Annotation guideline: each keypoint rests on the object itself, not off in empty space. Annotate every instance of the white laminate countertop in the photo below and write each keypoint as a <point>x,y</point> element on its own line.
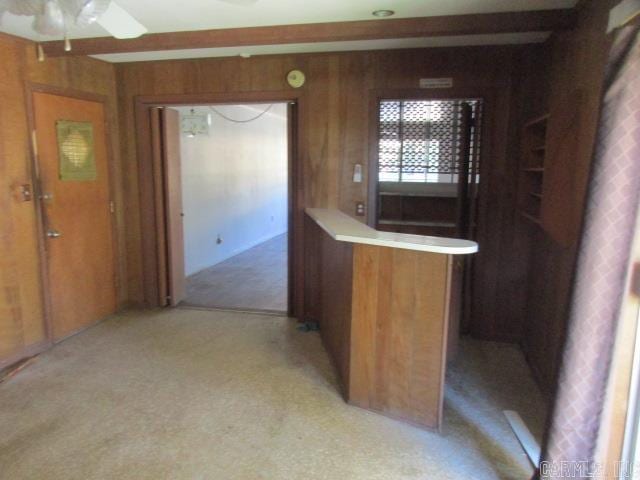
<point>343,228</point>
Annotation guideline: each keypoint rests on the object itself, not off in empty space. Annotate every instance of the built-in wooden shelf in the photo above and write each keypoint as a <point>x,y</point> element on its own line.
<point>384,221</point>
<point>419,194</point>
<point>418,212</point>
<point>534,150</point>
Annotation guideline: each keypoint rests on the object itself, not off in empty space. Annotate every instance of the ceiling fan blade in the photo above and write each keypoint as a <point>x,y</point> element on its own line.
<point>22,7</point>
<point>84,12</point>
<point>119,23</point>
<point>242,3</point>
<point>51,20</point>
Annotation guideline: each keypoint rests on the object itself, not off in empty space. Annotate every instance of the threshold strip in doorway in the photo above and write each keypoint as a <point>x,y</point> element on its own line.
<point>254,311</point>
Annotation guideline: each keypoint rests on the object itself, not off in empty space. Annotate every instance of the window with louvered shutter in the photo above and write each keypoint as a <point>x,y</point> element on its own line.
<point>419,140</point>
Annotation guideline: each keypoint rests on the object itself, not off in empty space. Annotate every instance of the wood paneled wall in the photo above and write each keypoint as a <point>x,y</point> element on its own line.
<point>21,317</point>
<point>334,128</point>
<point>334,131</point>
<point>574,85</point>
<point>500,267</point>
<point>22,327</point>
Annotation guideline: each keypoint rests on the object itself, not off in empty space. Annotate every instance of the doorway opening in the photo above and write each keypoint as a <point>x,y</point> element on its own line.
<point>227,190</point>
<point>164,280</point>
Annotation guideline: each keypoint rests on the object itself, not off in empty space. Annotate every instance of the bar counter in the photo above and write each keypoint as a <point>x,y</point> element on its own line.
<point>387,307</point>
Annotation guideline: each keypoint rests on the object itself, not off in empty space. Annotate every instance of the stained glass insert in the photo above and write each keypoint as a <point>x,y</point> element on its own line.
<point>76,150</point>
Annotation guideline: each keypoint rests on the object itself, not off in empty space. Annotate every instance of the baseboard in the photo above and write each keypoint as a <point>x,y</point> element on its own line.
<point>40,347</point>
<point>238,251</point>
<point>26,352</point>
<point>255,243</point>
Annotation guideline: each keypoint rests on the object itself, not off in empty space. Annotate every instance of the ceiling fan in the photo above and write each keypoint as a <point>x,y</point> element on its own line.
<point>57,17</point>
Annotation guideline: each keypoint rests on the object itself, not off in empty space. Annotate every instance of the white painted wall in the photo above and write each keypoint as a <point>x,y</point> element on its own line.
<point>234,183</point>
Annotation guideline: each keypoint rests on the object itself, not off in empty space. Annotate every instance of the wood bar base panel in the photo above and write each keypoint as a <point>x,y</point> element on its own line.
<point>384,315</point>
<point>399,333</point>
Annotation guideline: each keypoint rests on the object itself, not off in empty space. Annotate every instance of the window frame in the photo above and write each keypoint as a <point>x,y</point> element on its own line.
<point>428,176</point>
<point>490,97</point>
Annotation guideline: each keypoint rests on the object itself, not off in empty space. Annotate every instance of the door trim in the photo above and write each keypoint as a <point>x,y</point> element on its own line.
<point>30,89</point>
<point>152,202</point>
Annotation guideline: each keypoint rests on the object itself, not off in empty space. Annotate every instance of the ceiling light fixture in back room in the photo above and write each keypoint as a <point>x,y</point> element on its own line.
<point>383,13</point>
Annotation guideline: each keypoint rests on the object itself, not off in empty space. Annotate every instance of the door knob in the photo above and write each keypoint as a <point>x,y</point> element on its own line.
<point>53,234</point>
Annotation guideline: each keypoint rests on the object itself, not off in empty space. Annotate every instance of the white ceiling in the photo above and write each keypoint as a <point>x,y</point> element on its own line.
<point>183,15</point>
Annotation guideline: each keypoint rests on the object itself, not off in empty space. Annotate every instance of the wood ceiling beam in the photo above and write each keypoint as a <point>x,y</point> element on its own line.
<point>477,24</point>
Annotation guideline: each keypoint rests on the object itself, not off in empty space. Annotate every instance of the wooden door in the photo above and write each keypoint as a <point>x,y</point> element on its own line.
<point>77,212</point>
<point>294,230</point>
<point>170,121</point>
<point>165,135</point>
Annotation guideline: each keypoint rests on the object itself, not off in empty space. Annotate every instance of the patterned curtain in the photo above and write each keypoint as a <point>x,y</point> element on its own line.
<point>603,258</point>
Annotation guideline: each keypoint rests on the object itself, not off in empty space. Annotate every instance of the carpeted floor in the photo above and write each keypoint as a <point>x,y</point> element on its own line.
<point>255,279</point>
<point>190,394</point>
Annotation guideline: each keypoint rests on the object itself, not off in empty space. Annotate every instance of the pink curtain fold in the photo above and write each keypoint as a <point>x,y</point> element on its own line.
<point>603,258</point>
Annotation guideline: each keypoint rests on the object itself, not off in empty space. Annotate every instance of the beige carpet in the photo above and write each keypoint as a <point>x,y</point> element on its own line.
<point>189,394</point>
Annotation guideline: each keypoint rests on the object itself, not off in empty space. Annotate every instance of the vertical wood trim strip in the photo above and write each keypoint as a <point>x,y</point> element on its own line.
<point>449,304</point>
<point>364,319</point>
<point>159,202</point>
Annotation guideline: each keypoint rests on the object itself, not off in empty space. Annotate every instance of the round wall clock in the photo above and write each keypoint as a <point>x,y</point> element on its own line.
<point>296,78</point>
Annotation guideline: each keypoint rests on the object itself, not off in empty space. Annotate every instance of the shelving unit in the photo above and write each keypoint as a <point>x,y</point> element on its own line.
<point>417,213</point>
<point>534,150</point>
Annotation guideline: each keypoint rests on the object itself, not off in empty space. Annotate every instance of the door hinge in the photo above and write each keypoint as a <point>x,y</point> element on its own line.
<point>112,207</point>
<point>34,143</point>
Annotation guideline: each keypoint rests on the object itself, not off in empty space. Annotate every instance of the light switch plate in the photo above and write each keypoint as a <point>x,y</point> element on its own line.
<point>357,173</point>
